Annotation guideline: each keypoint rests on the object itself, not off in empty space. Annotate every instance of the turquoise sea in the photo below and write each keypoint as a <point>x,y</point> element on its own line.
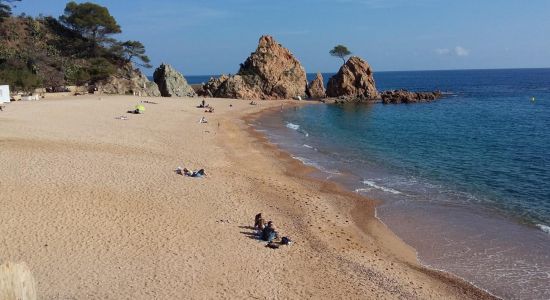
<point>465,180</point>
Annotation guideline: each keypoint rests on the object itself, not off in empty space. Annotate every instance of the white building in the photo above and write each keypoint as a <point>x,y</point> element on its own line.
<point>4,93</point>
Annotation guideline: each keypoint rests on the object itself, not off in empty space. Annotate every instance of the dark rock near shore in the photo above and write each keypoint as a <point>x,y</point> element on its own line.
<point>271,72</point>
<point>403,96</point>
<point>353,82</point>
<point>316,88</point>
<point>171,83</point>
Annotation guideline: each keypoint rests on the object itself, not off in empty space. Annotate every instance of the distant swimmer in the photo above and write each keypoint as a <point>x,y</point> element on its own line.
<point>533,99</point>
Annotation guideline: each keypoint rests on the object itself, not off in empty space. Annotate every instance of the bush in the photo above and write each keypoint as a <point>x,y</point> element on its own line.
<point>20,79</point>
<point>100,69</point>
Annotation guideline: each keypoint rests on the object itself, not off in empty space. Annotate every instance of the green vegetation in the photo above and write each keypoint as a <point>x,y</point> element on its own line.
<point>92,21</point>
<point>77,48</point>
<point>135,49</point>
<point>340,51</point>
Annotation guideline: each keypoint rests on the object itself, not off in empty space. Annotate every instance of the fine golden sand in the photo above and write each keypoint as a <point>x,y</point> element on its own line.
<point>92,205</point>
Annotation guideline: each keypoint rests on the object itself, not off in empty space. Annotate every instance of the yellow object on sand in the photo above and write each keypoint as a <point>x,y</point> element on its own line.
<point>140,107</point>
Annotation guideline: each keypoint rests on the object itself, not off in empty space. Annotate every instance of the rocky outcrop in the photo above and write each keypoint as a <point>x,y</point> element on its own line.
<point>403,96</point>
<point>271,72</point>
<point>353,82</point>
<point>128,81</point>
<point>171,83</point>
<point>316,88</point>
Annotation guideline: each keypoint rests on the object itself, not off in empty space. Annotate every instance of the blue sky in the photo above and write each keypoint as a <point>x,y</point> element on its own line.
<point>214,36</point>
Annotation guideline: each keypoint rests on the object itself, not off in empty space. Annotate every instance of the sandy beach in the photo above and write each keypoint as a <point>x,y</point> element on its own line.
<point>93,206</point>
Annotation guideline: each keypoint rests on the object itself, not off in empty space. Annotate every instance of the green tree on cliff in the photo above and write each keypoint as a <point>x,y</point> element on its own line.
<point>5,8</point>
<point>340,51</point>
<point>135,49</point>
<point>91,21</point>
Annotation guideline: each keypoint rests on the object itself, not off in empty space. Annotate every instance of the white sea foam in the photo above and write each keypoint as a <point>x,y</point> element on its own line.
<point>544,228</point>
<point>385,189</point>
<point>309,162</point>
<point>307,146</point>
<point>292,126</point>
<point>362,190</point>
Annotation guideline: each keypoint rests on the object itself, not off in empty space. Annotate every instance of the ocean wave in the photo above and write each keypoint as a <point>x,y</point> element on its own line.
<point>382,188</point>
<point>292,126</point>
<point>362,190</point>
<point>311,163</point>
<point>308,146</point>
<point>544,228</point>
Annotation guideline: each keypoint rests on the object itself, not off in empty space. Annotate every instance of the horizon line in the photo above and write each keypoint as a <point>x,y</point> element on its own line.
<point>389,71</point>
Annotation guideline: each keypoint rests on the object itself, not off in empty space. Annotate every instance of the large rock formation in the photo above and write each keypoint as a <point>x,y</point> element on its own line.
<point>271,72</point>
<point>128,81</point>
<point>353,82</point>
<point>171,83</point>
<point>403,96</point>
<point>316,88</point>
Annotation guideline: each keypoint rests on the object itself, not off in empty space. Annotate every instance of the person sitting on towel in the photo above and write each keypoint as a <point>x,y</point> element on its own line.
<point>269,233</point>
<point>259,222</point>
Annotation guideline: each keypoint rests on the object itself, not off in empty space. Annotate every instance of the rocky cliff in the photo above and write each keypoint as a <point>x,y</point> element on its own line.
<point>353,82</point>
<point>316,88</point>
<point>171,83</point>
<point>271,72</point>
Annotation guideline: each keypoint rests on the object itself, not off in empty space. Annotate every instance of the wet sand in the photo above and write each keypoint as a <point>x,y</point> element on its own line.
<point>94,208</point>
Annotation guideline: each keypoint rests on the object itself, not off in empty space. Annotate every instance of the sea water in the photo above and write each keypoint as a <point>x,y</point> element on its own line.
<point>464,180</point>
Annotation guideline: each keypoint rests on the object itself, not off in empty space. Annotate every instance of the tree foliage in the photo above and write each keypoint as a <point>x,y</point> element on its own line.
<point>340,51</point>
<point>135,50</point>
<point>91,21</point>
<point>75,49</point>
<point>5,8</point>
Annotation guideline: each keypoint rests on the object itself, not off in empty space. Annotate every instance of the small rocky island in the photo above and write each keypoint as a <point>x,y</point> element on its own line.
<point>272,72</point>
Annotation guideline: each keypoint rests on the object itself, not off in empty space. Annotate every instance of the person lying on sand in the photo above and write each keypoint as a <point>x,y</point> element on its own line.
<point>198,173</point>
<point>259,222</point>
<point>210,110</point>
<point>252,103</point>
<point>2,107</point>
<point>203,120</point>
<point>269,233</point>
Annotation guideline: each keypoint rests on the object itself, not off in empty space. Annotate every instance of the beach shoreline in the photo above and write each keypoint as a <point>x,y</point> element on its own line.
<point>364,212</point>
<point>92,205</point>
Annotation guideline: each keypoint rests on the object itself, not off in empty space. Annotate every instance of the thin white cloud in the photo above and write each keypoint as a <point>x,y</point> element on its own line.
<point>461,51</point>
<point>442,51</point>
<point>457,51</point>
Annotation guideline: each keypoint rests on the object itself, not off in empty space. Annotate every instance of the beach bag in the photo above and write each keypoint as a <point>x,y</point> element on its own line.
<point>286,240</point>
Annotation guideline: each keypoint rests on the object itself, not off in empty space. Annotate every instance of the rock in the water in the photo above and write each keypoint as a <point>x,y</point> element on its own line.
<point>316,88</point>
<point>171,83</point>
<point>128,81</point>
<point>403,96</point>
<point>353,82</point>
<point>271,72</point>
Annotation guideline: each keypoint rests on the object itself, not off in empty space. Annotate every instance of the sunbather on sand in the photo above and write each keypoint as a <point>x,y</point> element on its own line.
<point>259,222</point>
<point>198,173</point>
<point>203,120</point>
<point>269,233</point>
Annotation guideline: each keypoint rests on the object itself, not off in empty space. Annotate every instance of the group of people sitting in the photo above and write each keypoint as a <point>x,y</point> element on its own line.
<point>268,232</point>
